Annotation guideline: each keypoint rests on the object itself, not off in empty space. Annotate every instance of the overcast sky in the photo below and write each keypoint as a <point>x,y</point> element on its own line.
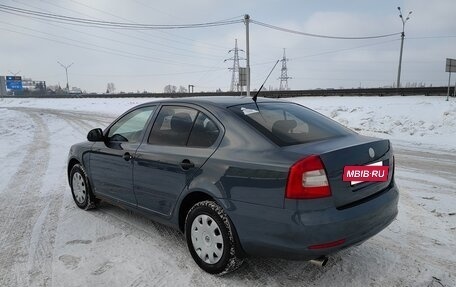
<point>149,60</point>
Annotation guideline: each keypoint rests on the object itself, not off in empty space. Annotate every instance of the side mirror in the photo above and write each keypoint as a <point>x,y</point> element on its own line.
<point>95,135</point>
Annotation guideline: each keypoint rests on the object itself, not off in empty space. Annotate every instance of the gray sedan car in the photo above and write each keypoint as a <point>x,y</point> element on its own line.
<point>240,177</point>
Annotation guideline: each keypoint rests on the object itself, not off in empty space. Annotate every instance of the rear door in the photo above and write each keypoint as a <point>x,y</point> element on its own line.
<point>181,140</point>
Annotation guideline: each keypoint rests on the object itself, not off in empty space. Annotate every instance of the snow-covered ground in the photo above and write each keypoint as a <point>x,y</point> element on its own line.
<point>45,240</point>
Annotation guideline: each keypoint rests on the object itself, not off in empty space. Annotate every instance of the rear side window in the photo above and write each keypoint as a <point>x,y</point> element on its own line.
<point>182,126</point>
<point>204,133</point>
<point>288,123</point>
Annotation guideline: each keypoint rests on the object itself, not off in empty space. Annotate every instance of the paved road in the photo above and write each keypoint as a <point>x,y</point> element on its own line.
<point>46,241</point>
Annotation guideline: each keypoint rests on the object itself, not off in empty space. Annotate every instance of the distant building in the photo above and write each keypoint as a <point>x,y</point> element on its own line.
<point>2,86</point>
<point>29,85</point>
<point>18,86</point>
<point>75,90</point>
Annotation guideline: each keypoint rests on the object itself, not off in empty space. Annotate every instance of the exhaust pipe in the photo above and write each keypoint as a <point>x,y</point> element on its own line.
<point>320,261</point>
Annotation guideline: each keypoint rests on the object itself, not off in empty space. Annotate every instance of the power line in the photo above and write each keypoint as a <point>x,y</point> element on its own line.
<point>119,41</point>
<point>205,75</point>
<point>432,37</point>
<point>147,75</point>
<point>142,32</point>
<point>110,24</point>
<point>318,35</point>
<point>345,49</point>
<point>298,58</point>
<point>99,49</point>
<point>191,53</point>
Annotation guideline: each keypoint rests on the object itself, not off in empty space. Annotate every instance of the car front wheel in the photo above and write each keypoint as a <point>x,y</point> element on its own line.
<point>210,238</point>
<point>80,188</point>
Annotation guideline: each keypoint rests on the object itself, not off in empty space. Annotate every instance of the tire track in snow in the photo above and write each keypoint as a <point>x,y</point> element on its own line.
<point>31,214</point>
<point>20,205</point>
<point>45,230</point>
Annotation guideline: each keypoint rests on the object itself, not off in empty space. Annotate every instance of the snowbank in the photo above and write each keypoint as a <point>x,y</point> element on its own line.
<point>418,120</point>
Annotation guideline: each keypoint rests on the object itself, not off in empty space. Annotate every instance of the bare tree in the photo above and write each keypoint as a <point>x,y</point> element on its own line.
<point>170,89</point>
<point>110,88</point>
<point>182,89</point>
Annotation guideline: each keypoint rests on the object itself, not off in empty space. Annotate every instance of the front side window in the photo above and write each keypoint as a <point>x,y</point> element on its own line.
<point>289,124</point>
<point>130,127</point>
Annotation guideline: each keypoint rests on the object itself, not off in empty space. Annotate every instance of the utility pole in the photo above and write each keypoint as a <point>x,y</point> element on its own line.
<point>247,51</point>
<point>284,73</point>
<point>454,90</point>
<point>235,85</point>
<point>66,72</point>
<point>402,44</point>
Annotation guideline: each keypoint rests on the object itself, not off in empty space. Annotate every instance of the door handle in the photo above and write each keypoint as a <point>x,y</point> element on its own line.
<point>187,164</point>
<point>127,156</point>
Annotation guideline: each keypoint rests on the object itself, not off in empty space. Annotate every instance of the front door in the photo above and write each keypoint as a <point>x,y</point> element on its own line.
<point>111,162</point>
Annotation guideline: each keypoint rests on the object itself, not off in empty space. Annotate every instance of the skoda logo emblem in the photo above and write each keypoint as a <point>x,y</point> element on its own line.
<point>371,152</point>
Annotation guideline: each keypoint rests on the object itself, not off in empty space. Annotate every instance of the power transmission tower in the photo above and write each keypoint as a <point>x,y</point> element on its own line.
<point>284,73</point>
<point>235,69</point>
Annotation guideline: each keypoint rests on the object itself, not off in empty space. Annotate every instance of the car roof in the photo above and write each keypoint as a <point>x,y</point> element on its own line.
<point>219,101</point>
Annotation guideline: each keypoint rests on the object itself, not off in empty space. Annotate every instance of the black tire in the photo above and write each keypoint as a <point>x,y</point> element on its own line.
<point>80,188</point>
<point>230,258</point>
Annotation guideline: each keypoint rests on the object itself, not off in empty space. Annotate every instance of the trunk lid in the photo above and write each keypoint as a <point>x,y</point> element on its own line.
<point>336,153</point>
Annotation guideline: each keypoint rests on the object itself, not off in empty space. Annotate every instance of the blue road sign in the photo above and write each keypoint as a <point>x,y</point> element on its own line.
<point>14,85</point>
<point>14,82</point>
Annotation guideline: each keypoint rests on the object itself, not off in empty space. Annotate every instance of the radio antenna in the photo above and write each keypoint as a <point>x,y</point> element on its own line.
<point>254,98</point>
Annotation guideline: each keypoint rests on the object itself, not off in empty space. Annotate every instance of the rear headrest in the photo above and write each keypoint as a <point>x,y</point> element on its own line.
<point>210,126</point>
<point>181,122</point>
<point>283,126</point>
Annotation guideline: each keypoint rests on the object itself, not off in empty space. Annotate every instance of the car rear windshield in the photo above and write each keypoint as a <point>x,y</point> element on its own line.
<point>288,123</point>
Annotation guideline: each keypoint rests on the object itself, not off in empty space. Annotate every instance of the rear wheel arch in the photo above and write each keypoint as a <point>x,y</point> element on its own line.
<point>211,239</point>
<point>188,202</point>
<point>193,198</point>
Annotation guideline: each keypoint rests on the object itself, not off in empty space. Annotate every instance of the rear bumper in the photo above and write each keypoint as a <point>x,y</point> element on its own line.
<point>285,233</point>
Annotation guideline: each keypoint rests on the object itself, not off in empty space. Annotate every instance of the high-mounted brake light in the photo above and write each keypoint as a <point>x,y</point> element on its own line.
<point>307,179</point>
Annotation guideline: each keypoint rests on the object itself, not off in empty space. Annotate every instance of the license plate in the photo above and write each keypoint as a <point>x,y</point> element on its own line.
<point>361,173</point>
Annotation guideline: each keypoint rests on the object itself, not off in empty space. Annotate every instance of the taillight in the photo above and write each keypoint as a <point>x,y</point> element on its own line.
<point>307,179</point>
